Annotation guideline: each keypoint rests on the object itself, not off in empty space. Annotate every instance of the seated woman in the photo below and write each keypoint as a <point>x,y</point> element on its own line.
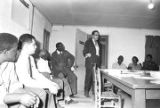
<point>134,65</point>
<point>43,67</point>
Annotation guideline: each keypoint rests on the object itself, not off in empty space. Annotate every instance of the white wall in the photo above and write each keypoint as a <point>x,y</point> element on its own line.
<point>7,24</point>
<point>39,24</point>
<point>122,41</point>
<point>13,25</point>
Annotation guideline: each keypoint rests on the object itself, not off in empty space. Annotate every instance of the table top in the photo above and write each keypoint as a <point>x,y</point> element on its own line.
<point>136,79</point>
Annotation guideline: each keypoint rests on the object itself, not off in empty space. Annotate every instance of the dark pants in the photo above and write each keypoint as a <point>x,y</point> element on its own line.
<point>72,80</point>
<point>89,80</point>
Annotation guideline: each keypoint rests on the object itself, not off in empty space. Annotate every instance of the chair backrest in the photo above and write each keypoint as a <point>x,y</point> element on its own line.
<point>97,76</point>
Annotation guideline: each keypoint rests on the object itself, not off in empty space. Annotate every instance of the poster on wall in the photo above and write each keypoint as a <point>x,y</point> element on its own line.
<point>21,12</point>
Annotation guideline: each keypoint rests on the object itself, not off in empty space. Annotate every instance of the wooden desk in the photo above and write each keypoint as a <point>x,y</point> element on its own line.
<point>139,88</point>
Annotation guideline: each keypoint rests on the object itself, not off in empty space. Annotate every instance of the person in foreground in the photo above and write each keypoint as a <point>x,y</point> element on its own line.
<point>92,54</point>
<point>27,72</point>
<point>12,93</point>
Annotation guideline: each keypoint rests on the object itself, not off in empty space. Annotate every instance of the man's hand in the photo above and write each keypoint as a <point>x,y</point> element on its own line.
<point>28,99</point>
<point>88,55</point>
<point>53,90</point>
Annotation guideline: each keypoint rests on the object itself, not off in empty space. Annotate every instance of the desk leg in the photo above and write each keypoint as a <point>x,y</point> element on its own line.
<point>138,99</point>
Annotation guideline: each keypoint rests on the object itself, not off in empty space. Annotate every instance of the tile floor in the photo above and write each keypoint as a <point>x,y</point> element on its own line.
<point>83,102</point>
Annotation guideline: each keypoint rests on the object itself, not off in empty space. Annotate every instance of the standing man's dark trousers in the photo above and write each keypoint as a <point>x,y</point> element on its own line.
<point>72,80</point>
<point>89,81</point>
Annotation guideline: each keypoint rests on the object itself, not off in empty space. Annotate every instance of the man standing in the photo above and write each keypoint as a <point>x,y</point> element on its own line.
<point>62,64</point>
<point>91,53</point>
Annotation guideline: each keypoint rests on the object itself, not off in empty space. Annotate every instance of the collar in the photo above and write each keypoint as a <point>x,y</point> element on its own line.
<point>59,52</point>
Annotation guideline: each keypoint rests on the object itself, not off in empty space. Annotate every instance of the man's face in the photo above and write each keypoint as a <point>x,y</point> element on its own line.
<point>31,47</point>
<point>148,59</point>
<point>60,47</point>
<point>120,60</point>
<point>95,36</point>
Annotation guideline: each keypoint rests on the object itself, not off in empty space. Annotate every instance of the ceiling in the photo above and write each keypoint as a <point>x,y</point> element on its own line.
<point>110,13</point>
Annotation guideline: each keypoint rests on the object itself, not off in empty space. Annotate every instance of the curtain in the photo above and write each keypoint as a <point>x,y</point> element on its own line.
<point>152,47</point>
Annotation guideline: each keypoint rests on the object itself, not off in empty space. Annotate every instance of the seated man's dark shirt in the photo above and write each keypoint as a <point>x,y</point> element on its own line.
<point>150,66</point>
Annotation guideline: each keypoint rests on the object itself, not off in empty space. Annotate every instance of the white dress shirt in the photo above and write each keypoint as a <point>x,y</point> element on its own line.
<point>117,66</point>
<point>37,79</point>
<point>9,81</point>
<point>42,65</point>
<point>96,47</point>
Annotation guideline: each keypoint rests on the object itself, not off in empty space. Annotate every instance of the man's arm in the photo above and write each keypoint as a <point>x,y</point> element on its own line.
<point>86,52</point>
<point>70,59</point>
<point>22,98</point>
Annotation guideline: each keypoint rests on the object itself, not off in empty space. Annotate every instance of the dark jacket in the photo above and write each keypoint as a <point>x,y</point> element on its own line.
<point>90,48</point>
<point>61,62</point>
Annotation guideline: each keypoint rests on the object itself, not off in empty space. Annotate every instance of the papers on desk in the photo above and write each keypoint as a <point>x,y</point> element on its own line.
<point>144,77</point>
<point>134,74</point>
<point>155,82</point>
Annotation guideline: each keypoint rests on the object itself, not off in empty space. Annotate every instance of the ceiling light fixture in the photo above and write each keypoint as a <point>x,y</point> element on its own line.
<point>150,5</point>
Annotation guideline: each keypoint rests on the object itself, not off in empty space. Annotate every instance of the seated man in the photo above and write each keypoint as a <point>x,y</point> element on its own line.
<point>62,62</point>
<point>149,64</point>
<point>11,91</point>
<point>27,71</point>
<point>119,64</point>
<point>43,67</point>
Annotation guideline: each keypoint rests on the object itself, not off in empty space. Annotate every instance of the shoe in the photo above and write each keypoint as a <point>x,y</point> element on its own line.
<point>72,96</point>
<point>71,101</point>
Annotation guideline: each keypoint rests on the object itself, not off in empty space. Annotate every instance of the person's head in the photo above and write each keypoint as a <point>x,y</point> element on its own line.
<point>60,46</point>
<point>148,58</point>
<point>135,59</point>
<point>8,47</point>
<point>44,54</point>
<point>27,42</point>
<point>120,59</point>
<point>95,35</point>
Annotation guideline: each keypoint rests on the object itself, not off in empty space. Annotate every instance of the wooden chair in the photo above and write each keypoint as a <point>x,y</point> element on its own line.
<point>105,99</point>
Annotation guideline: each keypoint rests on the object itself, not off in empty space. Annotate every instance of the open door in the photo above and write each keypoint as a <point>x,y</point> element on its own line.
<point>81,37</point>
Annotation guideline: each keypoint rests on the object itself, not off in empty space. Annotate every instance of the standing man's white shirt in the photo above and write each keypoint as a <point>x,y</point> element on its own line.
<point>96,47</point>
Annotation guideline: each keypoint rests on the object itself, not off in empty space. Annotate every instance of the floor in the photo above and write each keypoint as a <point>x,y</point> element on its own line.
<point>83,102</point>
